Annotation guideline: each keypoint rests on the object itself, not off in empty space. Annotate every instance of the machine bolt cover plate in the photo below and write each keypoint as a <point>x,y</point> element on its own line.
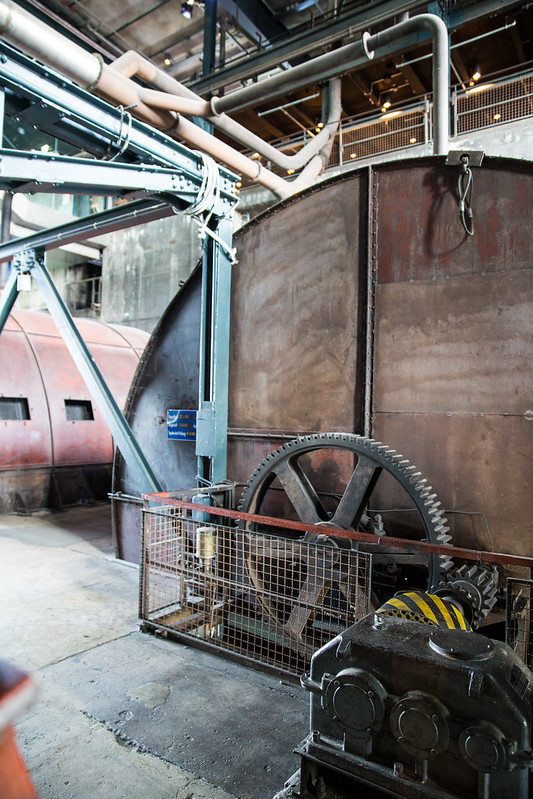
<point>461,645</point>
<point>355,699</point>
<point>418,723</point>
<point>482,747</point>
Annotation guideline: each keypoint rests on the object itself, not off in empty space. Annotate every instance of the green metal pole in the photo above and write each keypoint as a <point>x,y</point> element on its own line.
<point>118,427</point>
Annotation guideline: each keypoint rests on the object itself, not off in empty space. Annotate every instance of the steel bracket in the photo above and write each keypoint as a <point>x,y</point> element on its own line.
<point>460,157</point>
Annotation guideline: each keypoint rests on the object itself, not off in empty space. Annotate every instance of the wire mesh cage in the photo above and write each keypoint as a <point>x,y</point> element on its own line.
<point>519,618</point>
<point>265,597</point>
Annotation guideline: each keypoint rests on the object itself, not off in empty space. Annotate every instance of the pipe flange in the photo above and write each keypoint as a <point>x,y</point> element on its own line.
<point>365,40</point>
<point>213,108</point>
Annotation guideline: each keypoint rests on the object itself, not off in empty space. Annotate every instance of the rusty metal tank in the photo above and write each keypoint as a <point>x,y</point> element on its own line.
<point>55,448</point>
<point>363,306</point>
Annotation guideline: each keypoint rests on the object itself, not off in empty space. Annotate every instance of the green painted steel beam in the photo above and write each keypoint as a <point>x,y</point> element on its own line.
<point>32,262</point>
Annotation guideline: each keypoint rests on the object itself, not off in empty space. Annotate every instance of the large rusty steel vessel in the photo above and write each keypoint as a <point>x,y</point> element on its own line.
<point>364,306</point>
<point>55,448</point>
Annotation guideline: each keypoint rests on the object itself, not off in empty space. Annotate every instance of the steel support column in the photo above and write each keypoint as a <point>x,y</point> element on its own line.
<point>166,169</point>
<point>212,423</point>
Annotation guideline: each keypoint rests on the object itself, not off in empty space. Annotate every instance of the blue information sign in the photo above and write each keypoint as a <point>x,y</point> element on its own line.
<point>181,425</point>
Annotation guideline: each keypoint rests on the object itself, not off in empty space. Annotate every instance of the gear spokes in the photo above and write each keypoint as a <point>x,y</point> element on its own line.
<point>337,489</point>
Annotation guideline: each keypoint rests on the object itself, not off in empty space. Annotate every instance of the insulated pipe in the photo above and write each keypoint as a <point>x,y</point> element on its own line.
<point>38,39</point>
<point>195,135</point>
<point>133,64</point>
<point>89,71</point>
<point>338,61</point>
<point>435,26</point>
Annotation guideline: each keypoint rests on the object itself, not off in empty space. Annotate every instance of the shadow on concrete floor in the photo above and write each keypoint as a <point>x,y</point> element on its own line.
<point>121,714</point>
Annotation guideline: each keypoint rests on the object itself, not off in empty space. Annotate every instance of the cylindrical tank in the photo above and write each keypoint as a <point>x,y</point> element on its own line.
<point>362,305</point>
<point>55,448</point>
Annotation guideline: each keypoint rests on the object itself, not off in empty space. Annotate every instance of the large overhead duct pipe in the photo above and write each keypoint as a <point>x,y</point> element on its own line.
<point>89,71</point>
<point>319,69</point>
<point>133,64</point>
<point>343,59</point>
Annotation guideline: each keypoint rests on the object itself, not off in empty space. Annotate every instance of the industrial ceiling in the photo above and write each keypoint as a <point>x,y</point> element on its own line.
<point>215,46</point>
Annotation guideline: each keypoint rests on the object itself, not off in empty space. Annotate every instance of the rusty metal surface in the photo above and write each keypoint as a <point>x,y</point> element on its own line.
<point>23,443</point>
<point>454,344</point>
<point>76,454</point>
<point>295,317</point>
<point>462,345</point>
<point>167,378</point>
<point>450,386</point>
<point>86,441</point>
<point>420,236</point>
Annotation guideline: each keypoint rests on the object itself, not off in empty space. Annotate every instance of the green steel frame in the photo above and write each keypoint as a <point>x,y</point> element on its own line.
<point>159,176</point>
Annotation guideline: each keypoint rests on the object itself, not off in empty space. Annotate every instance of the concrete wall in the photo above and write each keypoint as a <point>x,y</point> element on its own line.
<point>143,268</point>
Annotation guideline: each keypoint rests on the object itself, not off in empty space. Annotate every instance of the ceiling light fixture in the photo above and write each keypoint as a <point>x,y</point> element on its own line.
<point>481,88</point>
<point>186,9</point>
<point>167,61</point>
<point>386,104</point>
<point>413,140</point>
<point>497,116</point>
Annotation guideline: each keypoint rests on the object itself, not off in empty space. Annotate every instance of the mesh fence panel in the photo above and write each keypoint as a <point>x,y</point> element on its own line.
<point>519,621</point>
<point>392,132</point>
<point>493,105</point>
<point>265,597</point>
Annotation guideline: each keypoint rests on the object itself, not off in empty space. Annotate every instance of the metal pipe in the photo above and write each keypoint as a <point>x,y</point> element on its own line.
<point>132,64</point>
<point>338,61</point>
<point>237,161</point>
<point>91,73</point>
<point>323,67</point>
<point>435,26</point>
<point>38,39</point>
<point>316,165</point>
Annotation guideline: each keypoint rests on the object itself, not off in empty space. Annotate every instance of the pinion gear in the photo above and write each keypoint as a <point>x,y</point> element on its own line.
<point>477,584</point>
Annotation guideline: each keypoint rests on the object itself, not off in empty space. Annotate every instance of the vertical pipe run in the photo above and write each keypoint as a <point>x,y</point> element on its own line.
<point>210,37</point>
<point>435,26</point>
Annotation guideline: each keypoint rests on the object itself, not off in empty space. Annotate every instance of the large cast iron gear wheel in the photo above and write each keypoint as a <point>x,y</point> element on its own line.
<point>372,459</point>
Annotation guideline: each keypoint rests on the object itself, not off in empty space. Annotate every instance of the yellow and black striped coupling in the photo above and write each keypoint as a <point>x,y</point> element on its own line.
<point>425,609</point>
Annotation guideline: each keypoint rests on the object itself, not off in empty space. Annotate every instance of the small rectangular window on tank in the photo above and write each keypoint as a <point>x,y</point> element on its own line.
<point>79,410</point>
<point>14,409</point>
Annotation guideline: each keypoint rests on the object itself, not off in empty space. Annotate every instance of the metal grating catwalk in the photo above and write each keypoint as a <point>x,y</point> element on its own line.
<point>265,597</point>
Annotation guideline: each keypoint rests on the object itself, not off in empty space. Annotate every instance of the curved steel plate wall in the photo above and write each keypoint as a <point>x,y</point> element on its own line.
<point>363,298</point>
<point>49,458</point>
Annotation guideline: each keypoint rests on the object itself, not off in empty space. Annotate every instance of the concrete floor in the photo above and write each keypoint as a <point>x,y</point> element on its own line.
<point>121,714</point>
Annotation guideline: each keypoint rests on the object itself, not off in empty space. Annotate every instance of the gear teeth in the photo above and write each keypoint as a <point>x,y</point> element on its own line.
<point>388,459</point>
<point>479,583</point>
<point>445,564</point>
